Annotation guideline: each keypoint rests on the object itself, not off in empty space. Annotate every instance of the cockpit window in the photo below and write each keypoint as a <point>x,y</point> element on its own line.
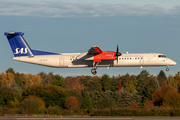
<point>162,56</point>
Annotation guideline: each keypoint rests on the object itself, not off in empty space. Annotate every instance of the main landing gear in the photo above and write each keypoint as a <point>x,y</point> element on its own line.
<point>93,70</point>
<point>167,69</point>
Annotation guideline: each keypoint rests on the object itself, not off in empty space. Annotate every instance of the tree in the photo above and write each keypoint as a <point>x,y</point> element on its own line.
<point>125,99</point>
<point>32,104</point>
<point>149,89</point>
<point>9,97</point>
<point>74,84</point>
<point>11,70</point>
<point>158,96</point>
<point>7,78</point>
<point>172,99</point>
<point>22,81</point>
<point>71,103</point>
<point>58,81</point>
<point>14,86</point>
<point>161,78</point>
<point>105,82</point>
<point>86,103</point>
<point>52,95</point>
<point>46,78</point>
<point>114,84</point>
<point>172,82</point>
<point>119,86</point>
<point>143,80</point>
<point>91,83</point>
<point>130,84</point>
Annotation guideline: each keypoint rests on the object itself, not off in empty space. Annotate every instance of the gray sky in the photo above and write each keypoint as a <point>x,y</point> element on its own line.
<point>61,26</point>
<point>83,8</point>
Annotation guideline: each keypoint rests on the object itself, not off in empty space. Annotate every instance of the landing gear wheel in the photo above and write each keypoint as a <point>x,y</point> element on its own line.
<point>167,69</point>
<point>93,71</point>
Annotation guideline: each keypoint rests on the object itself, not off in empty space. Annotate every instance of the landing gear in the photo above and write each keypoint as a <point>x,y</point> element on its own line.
<point>167,69</point>
<point>93,70</point>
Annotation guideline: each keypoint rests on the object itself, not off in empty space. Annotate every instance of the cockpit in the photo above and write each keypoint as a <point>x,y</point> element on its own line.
<point>161,56</point>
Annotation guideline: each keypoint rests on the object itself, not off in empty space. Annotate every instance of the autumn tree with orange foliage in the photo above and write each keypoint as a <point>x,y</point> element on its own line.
<point>7,78</point>
<point>74,84</point>
<point>158,96</point>
<point>119,86</point>
<point>71,103</point>
<point>33,79</point>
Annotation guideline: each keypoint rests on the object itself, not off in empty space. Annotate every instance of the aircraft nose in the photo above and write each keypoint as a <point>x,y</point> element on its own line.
<point>173,62</point>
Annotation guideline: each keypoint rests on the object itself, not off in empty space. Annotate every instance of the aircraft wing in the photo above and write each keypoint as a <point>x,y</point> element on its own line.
<point>94,50</point>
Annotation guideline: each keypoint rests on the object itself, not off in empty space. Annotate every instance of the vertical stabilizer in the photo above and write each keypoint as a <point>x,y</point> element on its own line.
<point>18,44</point>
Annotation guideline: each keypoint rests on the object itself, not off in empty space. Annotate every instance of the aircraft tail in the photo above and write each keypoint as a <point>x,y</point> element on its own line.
<point>20,47</point>
<point>18,44</point>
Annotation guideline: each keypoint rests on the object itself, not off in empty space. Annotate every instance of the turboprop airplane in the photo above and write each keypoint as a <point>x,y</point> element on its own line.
<point>94,58</point>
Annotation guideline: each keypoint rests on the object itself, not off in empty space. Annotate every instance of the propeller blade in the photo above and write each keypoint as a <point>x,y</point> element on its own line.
<point>117,52</point>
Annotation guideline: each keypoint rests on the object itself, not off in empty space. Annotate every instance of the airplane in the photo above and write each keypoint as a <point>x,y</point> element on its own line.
<point>94,58</point>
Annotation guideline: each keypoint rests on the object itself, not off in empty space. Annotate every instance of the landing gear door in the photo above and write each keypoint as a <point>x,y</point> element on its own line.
<point>61,61</point>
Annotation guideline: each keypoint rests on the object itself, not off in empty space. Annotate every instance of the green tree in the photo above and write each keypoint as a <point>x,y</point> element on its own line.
<point>87,102</point>
<point>59,81</point>
<point>161,78</point>
<point>9,97</point>
<point>105,82</point>
<point>52,95</point>
<point>149,89</point>
<point>114,83</point>
<point>11,70</point>
<point>125,99</point>
<point>91,83</point>
<point>142,81</point>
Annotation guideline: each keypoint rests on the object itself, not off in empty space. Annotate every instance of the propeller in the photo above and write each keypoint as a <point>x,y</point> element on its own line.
<point>118,53</point>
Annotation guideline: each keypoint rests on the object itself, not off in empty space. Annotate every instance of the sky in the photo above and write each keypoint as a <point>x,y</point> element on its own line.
<point>73,26</point>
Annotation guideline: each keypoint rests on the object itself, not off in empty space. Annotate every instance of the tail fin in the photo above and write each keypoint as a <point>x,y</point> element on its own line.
<point>18,44</point>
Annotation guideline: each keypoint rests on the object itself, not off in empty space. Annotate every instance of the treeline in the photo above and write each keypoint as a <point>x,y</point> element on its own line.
<point>122,95</point>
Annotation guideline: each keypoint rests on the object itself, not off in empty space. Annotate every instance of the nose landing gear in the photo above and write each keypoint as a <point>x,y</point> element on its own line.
<point>167,69</point>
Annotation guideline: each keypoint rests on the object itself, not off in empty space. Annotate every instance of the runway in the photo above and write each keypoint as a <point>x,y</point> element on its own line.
<point>90,118</point>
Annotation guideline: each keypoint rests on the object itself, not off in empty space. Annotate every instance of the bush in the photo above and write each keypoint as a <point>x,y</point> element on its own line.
<point>54,110</point>
<point>156,111</point>
<point>30,106</point>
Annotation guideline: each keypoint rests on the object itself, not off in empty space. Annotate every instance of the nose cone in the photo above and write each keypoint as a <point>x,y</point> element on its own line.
<point>173,62</point>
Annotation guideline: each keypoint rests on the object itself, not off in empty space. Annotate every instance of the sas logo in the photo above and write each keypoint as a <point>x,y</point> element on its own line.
<point>21,51</point>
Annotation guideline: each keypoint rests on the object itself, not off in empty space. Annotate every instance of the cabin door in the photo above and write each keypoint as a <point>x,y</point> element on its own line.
<point>61,61</point>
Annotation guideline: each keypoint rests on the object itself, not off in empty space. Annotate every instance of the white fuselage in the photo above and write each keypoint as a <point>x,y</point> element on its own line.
<point>70,60</point>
